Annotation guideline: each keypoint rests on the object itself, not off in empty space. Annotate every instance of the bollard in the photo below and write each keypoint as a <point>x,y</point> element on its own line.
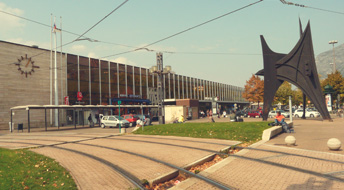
<point>290,140</point>
<point>123,130</point>
<point>334,144</point>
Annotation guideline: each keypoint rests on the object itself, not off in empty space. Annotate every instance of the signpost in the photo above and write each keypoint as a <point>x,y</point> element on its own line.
<point>119,114</point>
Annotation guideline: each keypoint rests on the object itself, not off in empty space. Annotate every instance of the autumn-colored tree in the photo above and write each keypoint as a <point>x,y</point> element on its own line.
<point>283,93</point>
<point>254,90</point>
<point>336,80</point>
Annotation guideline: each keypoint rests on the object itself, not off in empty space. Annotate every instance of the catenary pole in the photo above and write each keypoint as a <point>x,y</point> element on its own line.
<point>55,80</point>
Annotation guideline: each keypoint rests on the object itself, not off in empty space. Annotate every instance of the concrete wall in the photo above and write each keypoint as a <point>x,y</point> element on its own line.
<point>174,112</point>
<point>17,90</point>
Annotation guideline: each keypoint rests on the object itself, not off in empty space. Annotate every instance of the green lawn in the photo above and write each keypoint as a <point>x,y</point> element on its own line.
<point>23,169</point>
<point>247,132</point>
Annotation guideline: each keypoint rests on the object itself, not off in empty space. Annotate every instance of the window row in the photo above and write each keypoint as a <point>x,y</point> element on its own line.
<point>100,81</point>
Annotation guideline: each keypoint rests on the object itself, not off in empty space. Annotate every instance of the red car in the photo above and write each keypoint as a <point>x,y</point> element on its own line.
<point>254,114</point>
<point>131,118</point>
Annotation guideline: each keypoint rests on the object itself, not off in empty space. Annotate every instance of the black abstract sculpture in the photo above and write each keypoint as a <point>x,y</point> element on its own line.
<point>298,67</point>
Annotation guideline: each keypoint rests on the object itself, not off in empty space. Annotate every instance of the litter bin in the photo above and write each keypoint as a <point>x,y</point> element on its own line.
<point>20,127</point>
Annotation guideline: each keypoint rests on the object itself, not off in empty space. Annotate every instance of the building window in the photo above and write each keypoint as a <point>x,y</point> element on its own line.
<point>72,78</point>
<point>95,90</point>
<point>122,84</point>
<point>104,82</point>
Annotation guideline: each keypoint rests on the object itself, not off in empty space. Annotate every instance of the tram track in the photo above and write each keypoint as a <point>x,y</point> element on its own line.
<point>127,174</point>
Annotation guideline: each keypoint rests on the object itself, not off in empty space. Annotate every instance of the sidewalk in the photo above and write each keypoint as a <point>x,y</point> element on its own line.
<point>273,165</point>
<point>267,165</point>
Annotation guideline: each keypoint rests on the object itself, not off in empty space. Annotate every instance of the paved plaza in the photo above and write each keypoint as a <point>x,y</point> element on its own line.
<point>100,158</point>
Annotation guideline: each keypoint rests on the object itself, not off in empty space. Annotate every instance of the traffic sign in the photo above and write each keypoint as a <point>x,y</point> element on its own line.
<point>119,102</point>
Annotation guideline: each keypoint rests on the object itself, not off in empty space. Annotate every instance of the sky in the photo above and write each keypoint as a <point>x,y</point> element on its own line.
<point>226,50</point>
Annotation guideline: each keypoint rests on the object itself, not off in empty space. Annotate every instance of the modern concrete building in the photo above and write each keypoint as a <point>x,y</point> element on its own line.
<point>25,79</point>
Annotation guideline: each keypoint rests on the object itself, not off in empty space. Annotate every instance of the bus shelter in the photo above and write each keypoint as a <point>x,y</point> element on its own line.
<point>68,107</point>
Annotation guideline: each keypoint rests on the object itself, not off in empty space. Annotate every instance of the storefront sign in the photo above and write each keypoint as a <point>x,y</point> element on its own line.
<point>328,102</point>
<point>134,96</point>
<point>79,96</point>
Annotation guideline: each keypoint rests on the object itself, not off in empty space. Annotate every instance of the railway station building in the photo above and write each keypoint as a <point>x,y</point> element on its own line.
<point>27,78</point>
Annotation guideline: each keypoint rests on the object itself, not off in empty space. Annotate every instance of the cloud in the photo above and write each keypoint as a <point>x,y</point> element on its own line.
<point>78,48</point>
<point>8,22</point>
<point>124,60</point>
<point>92,55</point>
<point>29,43</point>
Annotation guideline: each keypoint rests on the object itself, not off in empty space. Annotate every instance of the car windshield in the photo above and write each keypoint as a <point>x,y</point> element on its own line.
<point>119,118</point>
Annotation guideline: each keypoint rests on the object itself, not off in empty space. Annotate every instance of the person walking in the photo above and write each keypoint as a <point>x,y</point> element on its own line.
<point>90,121</point>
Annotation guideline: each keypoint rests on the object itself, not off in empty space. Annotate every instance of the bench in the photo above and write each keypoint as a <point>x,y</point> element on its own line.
<point>273,131</point>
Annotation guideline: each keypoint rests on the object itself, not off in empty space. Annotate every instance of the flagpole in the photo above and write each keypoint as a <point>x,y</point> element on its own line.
<point>55,77</point>
<point>61,63</point>
<point>51,67</point>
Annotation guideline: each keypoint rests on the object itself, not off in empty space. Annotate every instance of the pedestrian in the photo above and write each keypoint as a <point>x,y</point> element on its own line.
<point>224,113</point>
<point>218,113</point>
<point>91,123</point>
<point>211,116</point>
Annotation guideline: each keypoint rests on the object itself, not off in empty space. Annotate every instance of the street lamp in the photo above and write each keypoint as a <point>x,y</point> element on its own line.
<point>334,62</point>
<point>159,70</point>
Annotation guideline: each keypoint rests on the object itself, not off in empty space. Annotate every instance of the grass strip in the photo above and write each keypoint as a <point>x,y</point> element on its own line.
<point>246,132</point>
<point>23,169</point>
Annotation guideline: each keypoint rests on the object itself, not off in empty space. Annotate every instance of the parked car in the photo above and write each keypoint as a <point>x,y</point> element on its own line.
<point>273,113</point>
<point>309,113</point>
<point>113,121</point>
<point>131,118</point>
<point>145,118</point>
<point>253,114</point>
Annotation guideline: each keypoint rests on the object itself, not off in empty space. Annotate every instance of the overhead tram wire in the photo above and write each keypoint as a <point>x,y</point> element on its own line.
<point>86,38</point>
<point>102,19</point>
<point>191,28</point>
<point>305,6</point>
<point>78,38</point>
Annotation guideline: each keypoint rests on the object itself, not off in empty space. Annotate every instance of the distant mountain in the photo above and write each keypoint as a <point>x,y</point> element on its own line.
<point>324,59</point>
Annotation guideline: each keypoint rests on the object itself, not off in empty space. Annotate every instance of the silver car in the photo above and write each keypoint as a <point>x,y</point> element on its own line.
<point>113,121</point>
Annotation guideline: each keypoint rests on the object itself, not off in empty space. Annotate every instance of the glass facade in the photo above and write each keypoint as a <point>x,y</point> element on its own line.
<point>100,81</point>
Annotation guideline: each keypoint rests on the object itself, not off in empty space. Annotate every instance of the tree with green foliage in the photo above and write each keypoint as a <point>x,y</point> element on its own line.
<point>254,89</point>
<point>283,93</point>
<point>336,80</point>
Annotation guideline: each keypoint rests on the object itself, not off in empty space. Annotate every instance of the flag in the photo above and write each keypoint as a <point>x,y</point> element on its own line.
<point>55,29</point>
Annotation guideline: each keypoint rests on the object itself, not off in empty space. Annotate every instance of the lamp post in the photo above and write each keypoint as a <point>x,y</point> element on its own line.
<point>334,59</point>
<point>160,71</point>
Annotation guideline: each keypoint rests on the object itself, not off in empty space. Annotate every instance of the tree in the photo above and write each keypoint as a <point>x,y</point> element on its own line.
<point>254,89</point>
<point>336,80</point>
<point>297,97</point>
<point>283,93</point>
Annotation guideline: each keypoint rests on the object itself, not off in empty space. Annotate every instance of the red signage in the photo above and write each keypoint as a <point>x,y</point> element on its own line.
<point>79,96</point>
<point>66,100</point>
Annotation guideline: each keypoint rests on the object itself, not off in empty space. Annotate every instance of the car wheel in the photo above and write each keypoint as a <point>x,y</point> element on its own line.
<point>102,125</point>
<point>270,116</point>
<point>311,115</point>
<point>296,115</point>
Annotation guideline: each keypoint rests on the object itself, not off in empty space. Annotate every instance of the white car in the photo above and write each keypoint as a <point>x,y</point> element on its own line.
<point>113,121</point>
<point>273,113</point>
<point>309,113</point>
